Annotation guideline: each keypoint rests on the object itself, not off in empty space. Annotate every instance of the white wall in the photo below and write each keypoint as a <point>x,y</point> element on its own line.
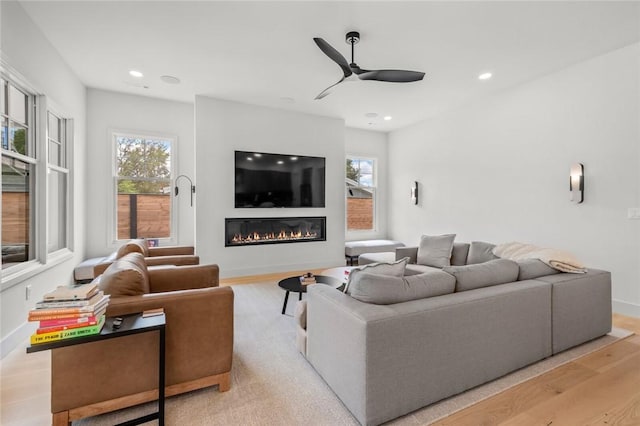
<point>27,51</point>
<point>110,110</point>
<point>498,170</point>
<point>368,144</point>
<point>223,127</point>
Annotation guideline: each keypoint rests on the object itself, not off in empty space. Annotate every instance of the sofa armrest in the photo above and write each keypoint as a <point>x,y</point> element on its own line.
<point>171,251</point>
<point>177,260</point>
<point>199,343</point>
<point>410,252</point>
<point>183,278</point>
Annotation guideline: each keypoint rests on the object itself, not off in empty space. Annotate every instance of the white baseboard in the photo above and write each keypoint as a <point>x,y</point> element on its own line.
<point>16,338</point>
<point>626,308</point>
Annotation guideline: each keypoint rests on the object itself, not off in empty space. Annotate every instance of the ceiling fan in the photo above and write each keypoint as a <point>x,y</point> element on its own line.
<point>352,72</point>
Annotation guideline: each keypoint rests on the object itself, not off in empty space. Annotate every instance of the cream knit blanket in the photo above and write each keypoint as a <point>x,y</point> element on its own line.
<point>557,259</point>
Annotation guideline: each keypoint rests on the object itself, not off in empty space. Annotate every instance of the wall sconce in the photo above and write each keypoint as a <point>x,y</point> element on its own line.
<point>576,183</point>
<point>414,193</point>
<point>193,187</point>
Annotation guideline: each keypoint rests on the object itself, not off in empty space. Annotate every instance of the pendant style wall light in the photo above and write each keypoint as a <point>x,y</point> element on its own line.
<point>193,187</point>
<point>576,183</point>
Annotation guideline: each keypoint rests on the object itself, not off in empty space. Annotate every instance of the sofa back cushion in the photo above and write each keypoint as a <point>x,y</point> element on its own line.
<point>133,246</point>
<point>493,272</point>
<point>126,276</point>
<point>435,250</point>
<point>386,290</point>
<point>393,269</point>
<point>480,252</point>
<point>459,253</point>
<point>531,269</point>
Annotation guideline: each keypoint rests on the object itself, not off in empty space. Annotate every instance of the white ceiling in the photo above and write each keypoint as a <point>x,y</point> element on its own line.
<point>261,52</point>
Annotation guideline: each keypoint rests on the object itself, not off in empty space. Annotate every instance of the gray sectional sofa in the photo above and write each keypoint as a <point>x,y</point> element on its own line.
<point>384,360</point>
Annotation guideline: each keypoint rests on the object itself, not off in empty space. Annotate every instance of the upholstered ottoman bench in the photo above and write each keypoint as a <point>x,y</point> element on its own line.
<point>353,249</point>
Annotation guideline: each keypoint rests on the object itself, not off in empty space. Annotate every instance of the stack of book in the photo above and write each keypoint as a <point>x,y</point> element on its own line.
<point>69,312</point>
<point>307,279</point>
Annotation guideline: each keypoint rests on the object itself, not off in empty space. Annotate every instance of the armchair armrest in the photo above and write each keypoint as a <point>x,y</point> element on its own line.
<point>171,251</point>
<point>183,278</point>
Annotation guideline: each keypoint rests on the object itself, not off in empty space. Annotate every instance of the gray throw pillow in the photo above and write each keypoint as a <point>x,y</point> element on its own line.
<point>480,252</point>
<point>386,290</point>
<point>435,250</point>
<point>395,269</point>
<point>493,272</point>
<point>534,268</point>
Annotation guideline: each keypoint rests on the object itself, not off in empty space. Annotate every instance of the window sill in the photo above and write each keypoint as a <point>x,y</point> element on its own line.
<point>30,269</point>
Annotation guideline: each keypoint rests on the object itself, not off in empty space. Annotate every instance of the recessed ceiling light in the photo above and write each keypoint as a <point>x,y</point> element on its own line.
<point>249,158</point>
<point>280,162</point>
<point>371,114</point>
<point>387,117</point>
<point>485,76</point>
<point>134,73</point>
<point>257,154</point>
<point>293,158</point>
<point>169,79</point>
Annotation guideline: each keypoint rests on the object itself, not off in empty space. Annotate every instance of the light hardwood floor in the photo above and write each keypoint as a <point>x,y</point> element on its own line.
<point>602,388</point>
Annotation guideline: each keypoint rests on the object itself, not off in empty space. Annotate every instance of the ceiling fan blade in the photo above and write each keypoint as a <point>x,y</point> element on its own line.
<point>327,91</point>
<point>334,55</point>
<point>393,76</point>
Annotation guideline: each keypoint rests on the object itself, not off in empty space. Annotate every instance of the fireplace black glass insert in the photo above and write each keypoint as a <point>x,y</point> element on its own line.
<point>273,230</point>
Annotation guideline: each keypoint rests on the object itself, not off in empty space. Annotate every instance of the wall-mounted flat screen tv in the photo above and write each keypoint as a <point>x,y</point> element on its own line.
<point>278,180</point>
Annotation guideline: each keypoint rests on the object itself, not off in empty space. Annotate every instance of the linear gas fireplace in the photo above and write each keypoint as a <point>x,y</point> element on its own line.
<point>273,230</point>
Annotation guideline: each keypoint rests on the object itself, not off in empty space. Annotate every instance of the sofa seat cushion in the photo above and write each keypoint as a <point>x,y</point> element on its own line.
<point>386,290</point>
<point>393,269</point>
<point>435,250</point>
<point>531,269</point>
<point>493,272</point>
<point>127,276</point>
<point>480,252</point>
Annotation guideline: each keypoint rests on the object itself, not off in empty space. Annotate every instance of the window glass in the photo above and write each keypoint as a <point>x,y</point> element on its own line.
<point>360,194</point>
<point>54,128</point>
<point>16,211</point>
<point>5,134</point>
<point>143,167</point>
<point>3,96</point>
<point>17,105</point>
<point>18,138</point>
<point>57,210</point>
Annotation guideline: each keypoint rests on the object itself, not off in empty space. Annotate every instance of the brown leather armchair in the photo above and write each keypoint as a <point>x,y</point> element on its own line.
<point>98,377</point>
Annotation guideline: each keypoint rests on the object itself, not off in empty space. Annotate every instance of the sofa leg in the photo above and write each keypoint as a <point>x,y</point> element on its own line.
<point>60,419</point>
<point>225,382</point>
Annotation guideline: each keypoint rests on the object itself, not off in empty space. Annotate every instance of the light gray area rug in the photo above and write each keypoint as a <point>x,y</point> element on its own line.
<point>273,384</point>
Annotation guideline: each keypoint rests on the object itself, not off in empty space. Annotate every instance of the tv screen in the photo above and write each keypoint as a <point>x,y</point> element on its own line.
<point>278,180</point>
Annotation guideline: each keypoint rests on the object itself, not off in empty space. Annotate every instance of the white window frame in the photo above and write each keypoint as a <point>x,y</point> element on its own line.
<point>38,156</point>
<point>113,240</point>
<point>374,191</point>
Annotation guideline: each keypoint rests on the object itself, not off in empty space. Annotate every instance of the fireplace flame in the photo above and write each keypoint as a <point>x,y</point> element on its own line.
<point>272,236</point>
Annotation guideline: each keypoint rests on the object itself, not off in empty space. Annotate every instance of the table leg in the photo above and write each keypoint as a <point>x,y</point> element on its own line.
<point>161,380</point>
<point>284,305</point>
<point>300,296</point>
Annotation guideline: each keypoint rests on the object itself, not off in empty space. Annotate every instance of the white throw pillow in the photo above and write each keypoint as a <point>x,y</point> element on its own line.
<point>395,269</point>
<point>435,250</point>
